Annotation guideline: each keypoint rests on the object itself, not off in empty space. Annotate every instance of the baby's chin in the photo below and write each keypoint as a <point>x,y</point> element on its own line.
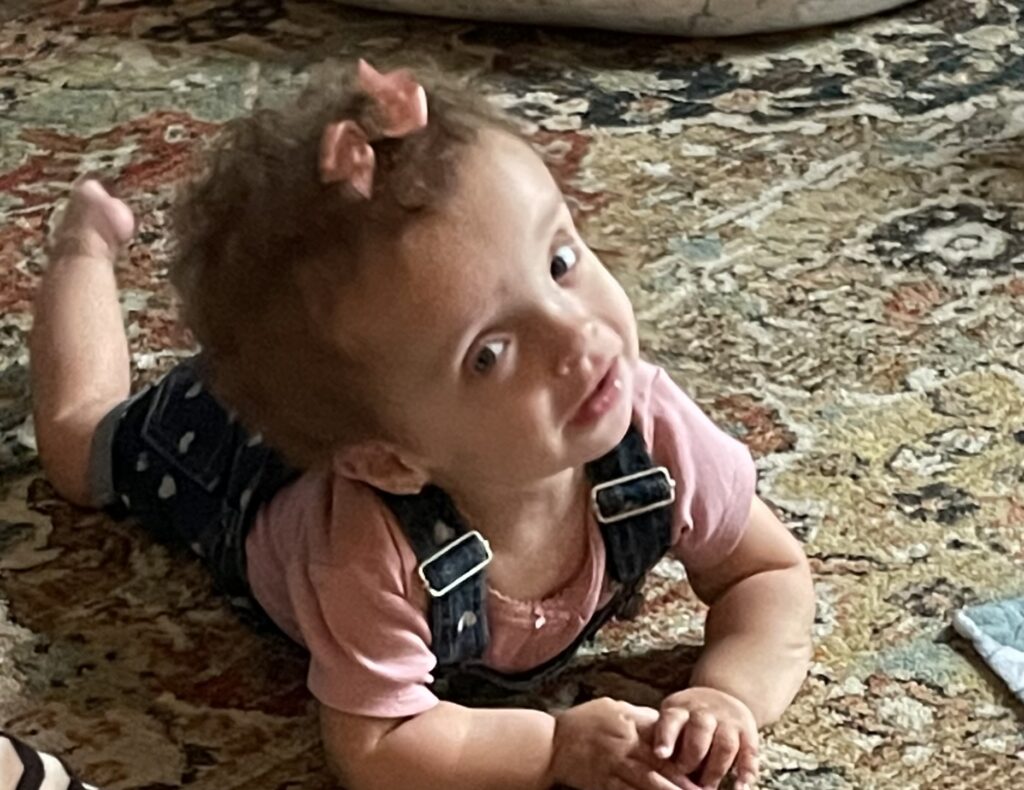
<point>601,439</point>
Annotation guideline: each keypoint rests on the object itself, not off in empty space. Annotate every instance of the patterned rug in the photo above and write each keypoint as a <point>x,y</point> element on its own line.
<point>824,237</point>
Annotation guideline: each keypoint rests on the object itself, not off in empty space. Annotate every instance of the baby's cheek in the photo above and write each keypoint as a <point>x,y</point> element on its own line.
<point>630,336</point>
<point>623,309</point>
<point>525,430</point>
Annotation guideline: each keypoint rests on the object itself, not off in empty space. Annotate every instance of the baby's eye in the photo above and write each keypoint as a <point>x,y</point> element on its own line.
<point>487,357</point>
<point>562,261</point>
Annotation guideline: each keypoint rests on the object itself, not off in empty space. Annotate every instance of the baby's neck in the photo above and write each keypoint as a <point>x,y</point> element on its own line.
<point>514,518</point>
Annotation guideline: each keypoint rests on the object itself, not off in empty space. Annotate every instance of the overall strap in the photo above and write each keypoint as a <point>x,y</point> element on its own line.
<point>629,498</point>
<point>451,560</point>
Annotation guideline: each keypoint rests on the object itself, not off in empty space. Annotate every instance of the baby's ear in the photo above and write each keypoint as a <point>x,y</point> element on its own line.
<point>381,465</point>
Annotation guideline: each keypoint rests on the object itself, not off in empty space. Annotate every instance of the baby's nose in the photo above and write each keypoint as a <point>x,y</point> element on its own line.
<point>573,343</point>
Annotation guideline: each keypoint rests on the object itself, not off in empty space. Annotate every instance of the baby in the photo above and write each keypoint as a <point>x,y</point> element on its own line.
<point>390,292</point>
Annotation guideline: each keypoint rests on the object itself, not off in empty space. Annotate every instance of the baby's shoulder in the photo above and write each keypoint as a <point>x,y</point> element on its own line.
<point>657,397</point>
<point>673,424</point>
<point>327,519</point>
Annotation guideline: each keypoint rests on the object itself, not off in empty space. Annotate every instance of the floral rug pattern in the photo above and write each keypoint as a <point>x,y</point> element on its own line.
<point>823,234</point>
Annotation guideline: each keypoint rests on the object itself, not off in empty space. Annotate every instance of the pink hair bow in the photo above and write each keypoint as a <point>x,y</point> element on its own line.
<point>400,107</point>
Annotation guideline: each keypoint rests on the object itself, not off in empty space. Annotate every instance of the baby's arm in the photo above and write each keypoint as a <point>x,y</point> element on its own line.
<point>756,654</point>
<point>758,630</point>
<point>447,747</point>
<point>600,745</point>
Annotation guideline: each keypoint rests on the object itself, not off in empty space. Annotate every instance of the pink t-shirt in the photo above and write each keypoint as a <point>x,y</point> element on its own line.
<point>331,566</point>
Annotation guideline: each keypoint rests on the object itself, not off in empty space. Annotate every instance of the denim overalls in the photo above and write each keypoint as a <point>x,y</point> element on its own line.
<point>176,460</point>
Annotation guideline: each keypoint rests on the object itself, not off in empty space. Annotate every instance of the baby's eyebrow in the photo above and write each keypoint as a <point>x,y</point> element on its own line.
<point>549,212</point>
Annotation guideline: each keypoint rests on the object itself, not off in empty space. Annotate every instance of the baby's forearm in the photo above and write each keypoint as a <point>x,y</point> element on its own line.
<point>452,747</point>
<point>758,641</point>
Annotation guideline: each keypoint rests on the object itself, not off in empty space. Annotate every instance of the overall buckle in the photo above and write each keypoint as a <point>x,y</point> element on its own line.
<point>595,502</point>
<point>471,535</point>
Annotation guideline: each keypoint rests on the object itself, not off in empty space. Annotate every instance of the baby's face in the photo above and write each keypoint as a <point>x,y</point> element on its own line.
<point>501,348</point>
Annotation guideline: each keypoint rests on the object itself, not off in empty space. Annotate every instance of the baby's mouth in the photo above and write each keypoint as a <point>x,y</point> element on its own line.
<point>601,397</point>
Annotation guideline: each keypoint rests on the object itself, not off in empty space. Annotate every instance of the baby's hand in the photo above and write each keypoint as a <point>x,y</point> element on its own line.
<point>92,223</point>
<point>604,745</point>
<point>706,726</point>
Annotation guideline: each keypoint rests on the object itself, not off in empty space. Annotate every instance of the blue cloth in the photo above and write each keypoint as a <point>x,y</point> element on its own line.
<point>996,630</point>
<point>176,460</point>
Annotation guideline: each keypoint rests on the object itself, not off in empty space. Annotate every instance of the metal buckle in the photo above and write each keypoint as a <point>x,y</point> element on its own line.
<point>422,569</point>
<point>658,470</point>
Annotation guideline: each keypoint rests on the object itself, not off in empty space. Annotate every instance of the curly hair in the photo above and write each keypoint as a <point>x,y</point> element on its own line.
<point>262,245</point>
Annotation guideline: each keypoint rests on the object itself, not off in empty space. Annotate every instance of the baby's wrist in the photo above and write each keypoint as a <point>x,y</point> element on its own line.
<point>554,775</point>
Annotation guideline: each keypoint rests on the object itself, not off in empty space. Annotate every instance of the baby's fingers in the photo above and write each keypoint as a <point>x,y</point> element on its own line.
<point>674,773</point>
<point>747,766</point>
<point>720,757</point>
<point>635,774</point>
<point>666,732</point>
<point>697,739</point>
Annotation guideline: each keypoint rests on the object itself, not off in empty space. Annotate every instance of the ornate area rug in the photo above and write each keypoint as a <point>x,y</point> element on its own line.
<point>824,237</point>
